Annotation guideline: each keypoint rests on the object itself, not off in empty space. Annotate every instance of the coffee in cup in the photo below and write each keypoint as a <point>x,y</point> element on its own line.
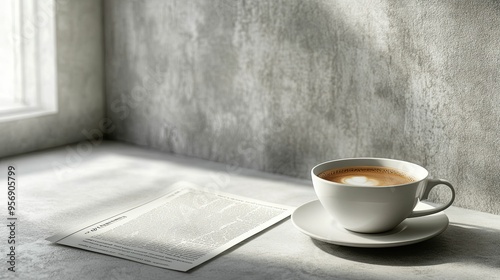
<point>371,195</point>
<point>367,176</point>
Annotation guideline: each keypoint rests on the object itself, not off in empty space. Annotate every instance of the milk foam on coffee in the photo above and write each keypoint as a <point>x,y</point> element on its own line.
<point>367,176</point>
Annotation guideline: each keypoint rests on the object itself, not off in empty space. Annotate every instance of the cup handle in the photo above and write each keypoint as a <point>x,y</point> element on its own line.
<point>431,183</point>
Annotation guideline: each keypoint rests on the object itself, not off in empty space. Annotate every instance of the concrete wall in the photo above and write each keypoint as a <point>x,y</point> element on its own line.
<point>282,85</point>
<point>80,83</point>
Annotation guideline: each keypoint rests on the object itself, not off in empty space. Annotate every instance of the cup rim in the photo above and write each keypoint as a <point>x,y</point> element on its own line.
<point>315,174</point>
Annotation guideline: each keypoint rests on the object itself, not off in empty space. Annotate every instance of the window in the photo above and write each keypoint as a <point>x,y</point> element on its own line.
<point>28,86</point>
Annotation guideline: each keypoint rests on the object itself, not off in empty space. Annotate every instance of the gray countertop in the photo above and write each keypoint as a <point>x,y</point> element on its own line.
<point>63,187</point>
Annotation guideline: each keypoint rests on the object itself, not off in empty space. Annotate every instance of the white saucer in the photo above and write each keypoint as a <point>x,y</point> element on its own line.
<point>312,219</point>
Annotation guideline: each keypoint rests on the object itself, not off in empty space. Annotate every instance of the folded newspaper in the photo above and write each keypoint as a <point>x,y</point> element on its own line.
<point>179,230</point>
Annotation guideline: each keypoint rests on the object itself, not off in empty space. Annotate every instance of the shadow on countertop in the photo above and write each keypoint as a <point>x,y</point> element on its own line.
<point>459,243</point>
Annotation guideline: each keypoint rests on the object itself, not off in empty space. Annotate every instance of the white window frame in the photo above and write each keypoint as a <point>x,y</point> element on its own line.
<point>34,54</point>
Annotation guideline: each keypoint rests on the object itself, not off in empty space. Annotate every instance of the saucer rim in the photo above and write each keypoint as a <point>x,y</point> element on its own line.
<point>367,244</point>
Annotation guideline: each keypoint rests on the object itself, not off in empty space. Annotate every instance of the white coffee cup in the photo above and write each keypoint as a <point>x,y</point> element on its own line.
<point>374,209</point>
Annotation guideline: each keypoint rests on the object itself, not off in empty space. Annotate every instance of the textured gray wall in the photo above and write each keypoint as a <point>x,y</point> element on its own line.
<point>80,83</point>
<point>282,85</point>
